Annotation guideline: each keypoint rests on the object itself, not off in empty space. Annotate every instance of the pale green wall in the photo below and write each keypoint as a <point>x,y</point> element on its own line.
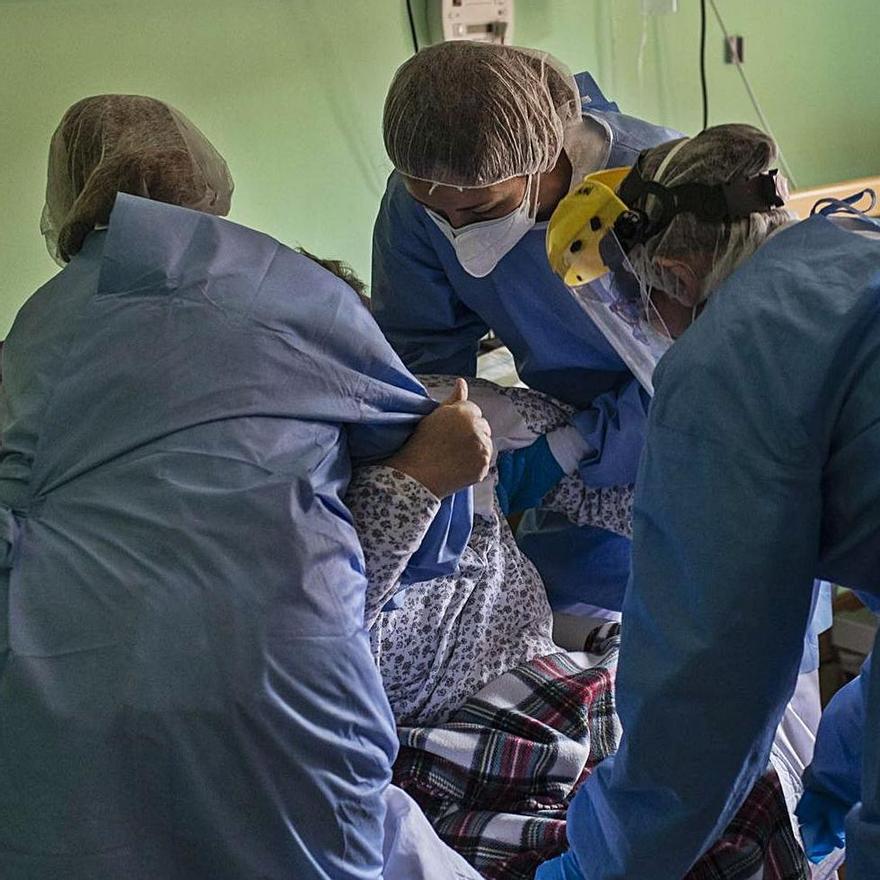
<point>813,64</point>
<point>291,92</point>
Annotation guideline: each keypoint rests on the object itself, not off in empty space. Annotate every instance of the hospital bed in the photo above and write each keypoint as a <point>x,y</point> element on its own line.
<point>802,201</point>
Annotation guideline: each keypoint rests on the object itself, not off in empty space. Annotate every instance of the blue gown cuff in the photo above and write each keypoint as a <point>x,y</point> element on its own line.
<point>563,867</point>
<point>614,430</point>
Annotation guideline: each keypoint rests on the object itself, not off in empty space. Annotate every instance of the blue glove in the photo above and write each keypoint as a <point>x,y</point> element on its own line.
<point>822,820</point>
<point>563,867</point>
<point>526,475</point>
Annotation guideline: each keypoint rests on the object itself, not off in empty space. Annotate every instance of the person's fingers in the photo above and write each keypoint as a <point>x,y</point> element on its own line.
<point>459,392</point>
<point>472,409</point>
<point>484,435</point>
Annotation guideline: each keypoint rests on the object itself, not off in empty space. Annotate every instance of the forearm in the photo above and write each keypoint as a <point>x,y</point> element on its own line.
<point>607,508</point>
<point>837,761</point>
<point>392,512</point>
<point>613,428</point>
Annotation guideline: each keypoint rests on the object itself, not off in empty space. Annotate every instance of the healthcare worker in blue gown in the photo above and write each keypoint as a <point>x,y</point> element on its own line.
<point>759,475</point>
<point>833,781</point>
<point>486,140</point>
<point>186,687</point>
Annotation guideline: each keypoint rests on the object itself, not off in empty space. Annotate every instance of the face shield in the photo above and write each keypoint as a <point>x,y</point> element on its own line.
<point>595,227</point>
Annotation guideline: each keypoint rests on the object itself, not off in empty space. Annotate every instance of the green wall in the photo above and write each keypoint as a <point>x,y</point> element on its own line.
<point>291,92</point>
<point>813,64</point>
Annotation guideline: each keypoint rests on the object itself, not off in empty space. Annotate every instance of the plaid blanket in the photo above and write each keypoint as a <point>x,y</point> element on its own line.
<point>759,836</point>
<point>496,780</point>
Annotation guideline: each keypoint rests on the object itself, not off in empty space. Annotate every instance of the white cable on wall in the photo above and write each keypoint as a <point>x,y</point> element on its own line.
<point>753,98</point>
<point>643,45</point>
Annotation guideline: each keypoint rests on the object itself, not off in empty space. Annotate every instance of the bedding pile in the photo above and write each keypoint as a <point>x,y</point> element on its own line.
<point>497,778</point>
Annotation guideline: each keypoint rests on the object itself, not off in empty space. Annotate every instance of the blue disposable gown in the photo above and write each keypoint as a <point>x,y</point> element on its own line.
<point>836,770</point>
<point>434,315</point>
<point>760,473</point>
<point>186,688</point>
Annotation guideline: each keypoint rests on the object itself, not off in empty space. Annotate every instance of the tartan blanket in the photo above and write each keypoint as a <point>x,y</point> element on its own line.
<point>496,780</point>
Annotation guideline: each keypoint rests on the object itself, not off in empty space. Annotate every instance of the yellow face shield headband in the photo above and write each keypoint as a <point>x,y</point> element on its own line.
<point>580,222</point>
<point>613,201</point>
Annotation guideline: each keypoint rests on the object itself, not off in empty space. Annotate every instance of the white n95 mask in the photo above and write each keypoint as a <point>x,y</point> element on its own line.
<point>480,246</point>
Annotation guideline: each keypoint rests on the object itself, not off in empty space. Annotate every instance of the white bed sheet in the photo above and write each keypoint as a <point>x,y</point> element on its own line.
<point>413,851</point>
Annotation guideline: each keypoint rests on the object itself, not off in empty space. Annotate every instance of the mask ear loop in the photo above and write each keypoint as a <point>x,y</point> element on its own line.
<point>534,206</point>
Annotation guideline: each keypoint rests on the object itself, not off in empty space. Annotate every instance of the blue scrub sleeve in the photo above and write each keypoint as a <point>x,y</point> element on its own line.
<point>417,308</point>
<point>869,600</point>
<point>526,475</point>
<point>836,769</point>
<point>614,428</point>
<point>373,432</point>
<point>833,781</point>
<point>563,867</point>
<point>725,546</point>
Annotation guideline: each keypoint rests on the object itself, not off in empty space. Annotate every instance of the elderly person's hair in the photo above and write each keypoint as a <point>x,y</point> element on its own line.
<point>473,114</point>
<point>110,144</point>
<point>344,272</point>
<point>713,249</point>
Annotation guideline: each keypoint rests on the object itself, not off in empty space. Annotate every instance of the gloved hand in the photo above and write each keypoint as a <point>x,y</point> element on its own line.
<point>563,867</point>
<point>526,475</point>
<point>822,820</point>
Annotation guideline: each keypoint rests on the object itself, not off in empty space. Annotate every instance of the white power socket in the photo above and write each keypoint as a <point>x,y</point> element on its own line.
<point>486,21</point>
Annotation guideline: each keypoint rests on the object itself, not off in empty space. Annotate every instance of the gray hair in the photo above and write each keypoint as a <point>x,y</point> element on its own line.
<point>717,155</point>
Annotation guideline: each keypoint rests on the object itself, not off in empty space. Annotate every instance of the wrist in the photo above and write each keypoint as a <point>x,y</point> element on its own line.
<point>422,472</point>
<point>568,447</point>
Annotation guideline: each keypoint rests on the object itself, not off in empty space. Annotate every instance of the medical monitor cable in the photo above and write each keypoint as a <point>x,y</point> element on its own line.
<point>753,98</point>
<point>412,26</point>
<point>703,84</point>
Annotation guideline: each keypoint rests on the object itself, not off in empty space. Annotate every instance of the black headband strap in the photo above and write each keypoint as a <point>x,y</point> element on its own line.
<point>725,201</point>
<point>711,202</point>
<point>730,201</point>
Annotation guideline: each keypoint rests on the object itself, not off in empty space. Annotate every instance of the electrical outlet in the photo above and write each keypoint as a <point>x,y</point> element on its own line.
<point>733,50</point>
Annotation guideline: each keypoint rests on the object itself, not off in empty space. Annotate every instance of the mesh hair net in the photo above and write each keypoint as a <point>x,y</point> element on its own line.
<point>132,144</point>
<point>712,249</point>
<point>470,114</point>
